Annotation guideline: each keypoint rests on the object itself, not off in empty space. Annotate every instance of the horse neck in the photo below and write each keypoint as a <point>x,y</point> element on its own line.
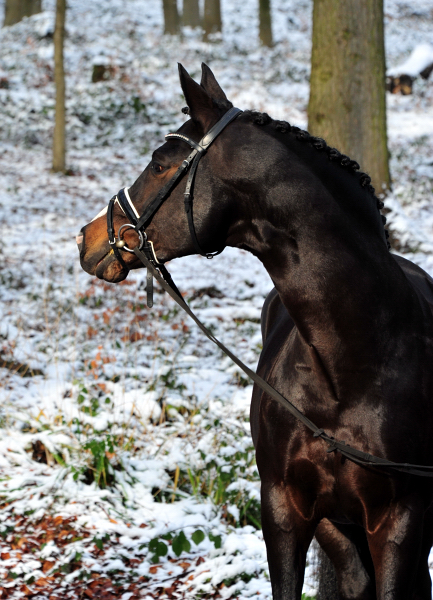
<point>342,302</point>
<point>331,268</point>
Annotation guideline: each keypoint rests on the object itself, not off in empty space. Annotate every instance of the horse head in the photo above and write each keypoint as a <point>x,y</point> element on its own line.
<point>168,228</point>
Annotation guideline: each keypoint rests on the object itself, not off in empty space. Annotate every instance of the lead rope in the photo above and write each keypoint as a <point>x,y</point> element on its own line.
<point>357,456</point>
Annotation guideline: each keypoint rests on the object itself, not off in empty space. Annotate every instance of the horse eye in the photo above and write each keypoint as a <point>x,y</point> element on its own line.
<point>158,168</point>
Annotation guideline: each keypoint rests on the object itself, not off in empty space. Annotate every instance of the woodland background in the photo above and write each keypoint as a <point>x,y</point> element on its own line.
<point>126,463</point>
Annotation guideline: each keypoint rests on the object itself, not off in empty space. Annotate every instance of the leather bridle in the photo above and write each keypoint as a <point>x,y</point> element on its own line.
<point>140,222</point>
<point>146,254</point>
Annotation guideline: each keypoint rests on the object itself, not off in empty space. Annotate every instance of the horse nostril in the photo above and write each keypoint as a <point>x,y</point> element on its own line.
<point>79,240</point>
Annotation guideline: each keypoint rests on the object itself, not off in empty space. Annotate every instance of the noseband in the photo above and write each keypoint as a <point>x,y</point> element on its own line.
<point>139,223</point>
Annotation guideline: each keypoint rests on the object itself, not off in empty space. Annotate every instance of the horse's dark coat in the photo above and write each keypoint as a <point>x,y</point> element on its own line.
<point>277,324</point>
<point>348,338</point>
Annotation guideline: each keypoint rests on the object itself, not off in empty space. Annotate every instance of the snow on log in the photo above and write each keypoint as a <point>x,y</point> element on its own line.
<point>400,78</point>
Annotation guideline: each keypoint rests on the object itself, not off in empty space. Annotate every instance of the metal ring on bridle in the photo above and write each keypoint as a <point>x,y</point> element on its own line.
<point>141,236</point>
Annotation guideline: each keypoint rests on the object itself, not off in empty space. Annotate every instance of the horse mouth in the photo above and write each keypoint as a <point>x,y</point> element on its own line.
<point>102,259</point>
<point>109,269</point>
<point>106,267</point>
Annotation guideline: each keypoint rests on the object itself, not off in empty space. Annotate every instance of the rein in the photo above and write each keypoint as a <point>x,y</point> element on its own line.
<point>356,456</point>
<point>146,254</point>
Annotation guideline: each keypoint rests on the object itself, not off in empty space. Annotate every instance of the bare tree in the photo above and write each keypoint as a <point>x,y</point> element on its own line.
<point>347,86</point>
<point>191,13</point>
<point>16,10</point>
<point>171,17</point>
<point>59,146</point>
<point>265,23</point>
<point>212,18</point>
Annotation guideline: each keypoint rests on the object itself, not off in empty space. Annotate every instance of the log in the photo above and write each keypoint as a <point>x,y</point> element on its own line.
<point>420,63</point>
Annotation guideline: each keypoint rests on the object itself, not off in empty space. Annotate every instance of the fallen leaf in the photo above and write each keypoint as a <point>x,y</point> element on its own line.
<point>27,591</point>
<point>48,564</point>
<point>154,569</point>
<point>63,533</point>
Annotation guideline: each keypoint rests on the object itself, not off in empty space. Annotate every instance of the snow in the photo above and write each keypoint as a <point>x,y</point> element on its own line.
<point>420,58</point>
<point>108,379</point>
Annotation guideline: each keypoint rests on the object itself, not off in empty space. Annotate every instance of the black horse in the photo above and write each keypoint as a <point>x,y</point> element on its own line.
<point>348,338</point>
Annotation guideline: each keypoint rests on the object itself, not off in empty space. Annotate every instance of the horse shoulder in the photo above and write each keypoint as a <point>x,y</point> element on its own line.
<point>418,278</point>
<point>277,325</point>
<point>275,318</point>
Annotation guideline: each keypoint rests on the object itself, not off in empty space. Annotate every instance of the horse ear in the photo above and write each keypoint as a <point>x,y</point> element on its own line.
<point>201,106</point>
<point>211,85</point>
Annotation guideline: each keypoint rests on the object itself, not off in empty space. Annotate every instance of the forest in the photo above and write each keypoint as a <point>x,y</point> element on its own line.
<point>127,468</point>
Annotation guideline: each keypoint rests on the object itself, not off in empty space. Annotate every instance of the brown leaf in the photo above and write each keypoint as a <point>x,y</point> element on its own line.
<point>63,533</point>
<point>135,336</point>
<point>5,555</point>
<point>133,562</point>
<point>48,564</point>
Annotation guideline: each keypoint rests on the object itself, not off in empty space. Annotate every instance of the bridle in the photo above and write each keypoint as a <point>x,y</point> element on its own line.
<point>146,254</point>
<point>140,222</point>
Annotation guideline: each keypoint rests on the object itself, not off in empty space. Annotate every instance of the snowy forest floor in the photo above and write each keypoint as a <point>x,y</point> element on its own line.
<point>126,463</point>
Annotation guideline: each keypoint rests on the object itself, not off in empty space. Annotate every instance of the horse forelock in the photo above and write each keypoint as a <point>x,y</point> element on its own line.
<point>334,155</point>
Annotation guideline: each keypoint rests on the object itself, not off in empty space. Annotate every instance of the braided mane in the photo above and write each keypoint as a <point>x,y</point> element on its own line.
<point>319,144</point>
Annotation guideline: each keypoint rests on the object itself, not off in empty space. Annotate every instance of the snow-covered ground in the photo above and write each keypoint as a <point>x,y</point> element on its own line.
<point>126,464</point>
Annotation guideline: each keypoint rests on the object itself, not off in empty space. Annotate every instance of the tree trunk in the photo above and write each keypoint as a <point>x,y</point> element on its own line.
<point>59,151</point>
<point>212,18</point>
<point>265,27</point>
<point>171,17</point>
<point>32,7</point>
<point>328,589</point>
<point>347,87</point>
<point>191,13</point>
<point>16,10</point>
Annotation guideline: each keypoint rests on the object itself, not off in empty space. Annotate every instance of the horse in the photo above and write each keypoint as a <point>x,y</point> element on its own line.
<point>347,334</point>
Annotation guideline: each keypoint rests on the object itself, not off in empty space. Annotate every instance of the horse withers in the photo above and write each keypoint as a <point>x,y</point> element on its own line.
<point>348,335</point>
